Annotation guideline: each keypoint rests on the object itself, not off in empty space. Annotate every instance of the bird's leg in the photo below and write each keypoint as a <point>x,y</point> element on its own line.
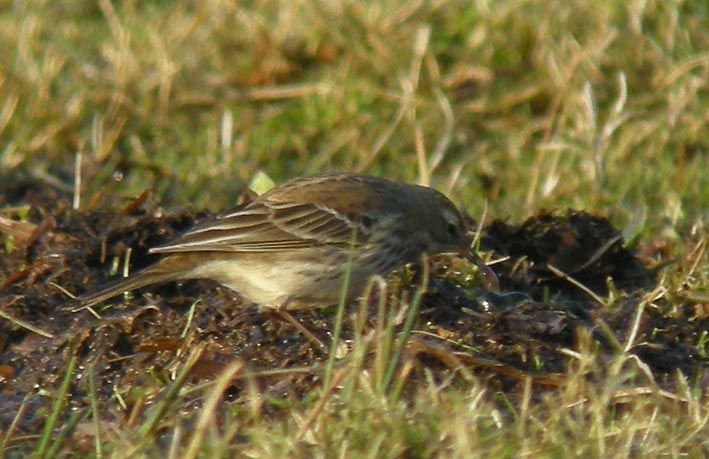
<point>283,314</point>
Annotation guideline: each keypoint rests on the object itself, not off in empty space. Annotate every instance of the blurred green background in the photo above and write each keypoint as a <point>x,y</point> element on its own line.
<point>524,104</point>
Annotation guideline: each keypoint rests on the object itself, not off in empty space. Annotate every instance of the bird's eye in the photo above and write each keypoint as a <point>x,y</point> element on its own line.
<point>452,229</point>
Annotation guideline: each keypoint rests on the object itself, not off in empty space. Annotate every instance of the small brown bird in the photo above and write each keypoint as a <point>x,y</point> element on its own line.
<point>291,247</point>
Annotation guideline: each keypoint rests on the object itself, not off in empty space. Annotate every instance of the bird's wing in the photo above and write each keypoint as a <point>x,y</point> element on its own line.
<point>265,225</point>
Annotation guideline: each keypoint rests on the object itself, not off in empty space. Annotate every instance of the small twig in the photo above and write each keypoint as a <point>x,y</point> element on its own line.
<point>479,229</point>
<point>698,254</point>
<point>95,411</point>
<point>336,380</point>
<point>578,284</point>
<point>287,91</point>
<point>171,395</point>
<point>421,42</point>
<point>211,403</point>
<point>25,325</point>
<point>634,392</point>
<point>77,180</point>
<point>636,326</point>
<point>598,253</point>
<point>15,422</point>
<point>419,144</point>
<point>608,333</point>
<point>190,317</point>
<point>444,103</point>
<point>63,290</point>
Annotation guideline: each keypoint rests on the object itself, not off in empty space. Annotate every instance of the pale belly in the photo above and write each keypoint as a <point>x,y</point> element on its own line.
<point>277,282</point>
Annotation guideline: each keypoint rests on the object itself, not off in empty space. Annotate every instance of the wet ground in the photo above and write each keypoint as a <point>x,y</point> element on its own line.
<point>555,270</point>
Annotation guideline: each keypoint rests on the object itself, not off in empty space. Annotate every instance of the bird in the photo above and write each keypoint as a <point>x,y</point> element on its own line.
<point>293,246</point>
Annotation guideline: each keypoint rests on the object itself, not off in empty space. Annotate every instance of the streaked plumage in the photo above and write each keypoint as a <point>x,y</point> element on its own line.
<point>290,246</point>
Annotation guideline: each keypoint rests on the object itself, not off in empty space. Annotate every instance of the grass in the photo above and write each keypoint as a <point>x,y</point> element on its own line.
<point>513,106</point>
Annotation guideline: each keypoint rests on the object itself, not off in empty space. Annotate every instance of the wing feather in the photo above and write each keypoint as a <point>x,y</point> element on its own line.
<point>264,225</point>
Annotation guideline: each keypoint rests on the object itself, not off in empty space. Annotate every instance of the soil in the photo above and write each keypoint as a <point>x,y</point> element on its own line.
<point>554,270</point>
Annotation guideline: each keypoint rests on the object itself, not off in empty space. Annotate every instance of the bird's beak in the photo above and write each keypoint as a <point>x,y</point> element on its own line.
<point>487,275</point>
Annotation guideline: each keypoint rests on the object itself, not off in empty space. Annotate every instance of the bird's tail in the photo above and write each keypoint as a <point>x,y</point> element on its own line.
<point>149,276</point>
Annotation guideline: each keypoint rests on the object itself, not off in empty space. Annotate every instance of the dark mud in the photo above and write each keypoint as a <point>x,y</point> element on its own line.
<point>554,269</point>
